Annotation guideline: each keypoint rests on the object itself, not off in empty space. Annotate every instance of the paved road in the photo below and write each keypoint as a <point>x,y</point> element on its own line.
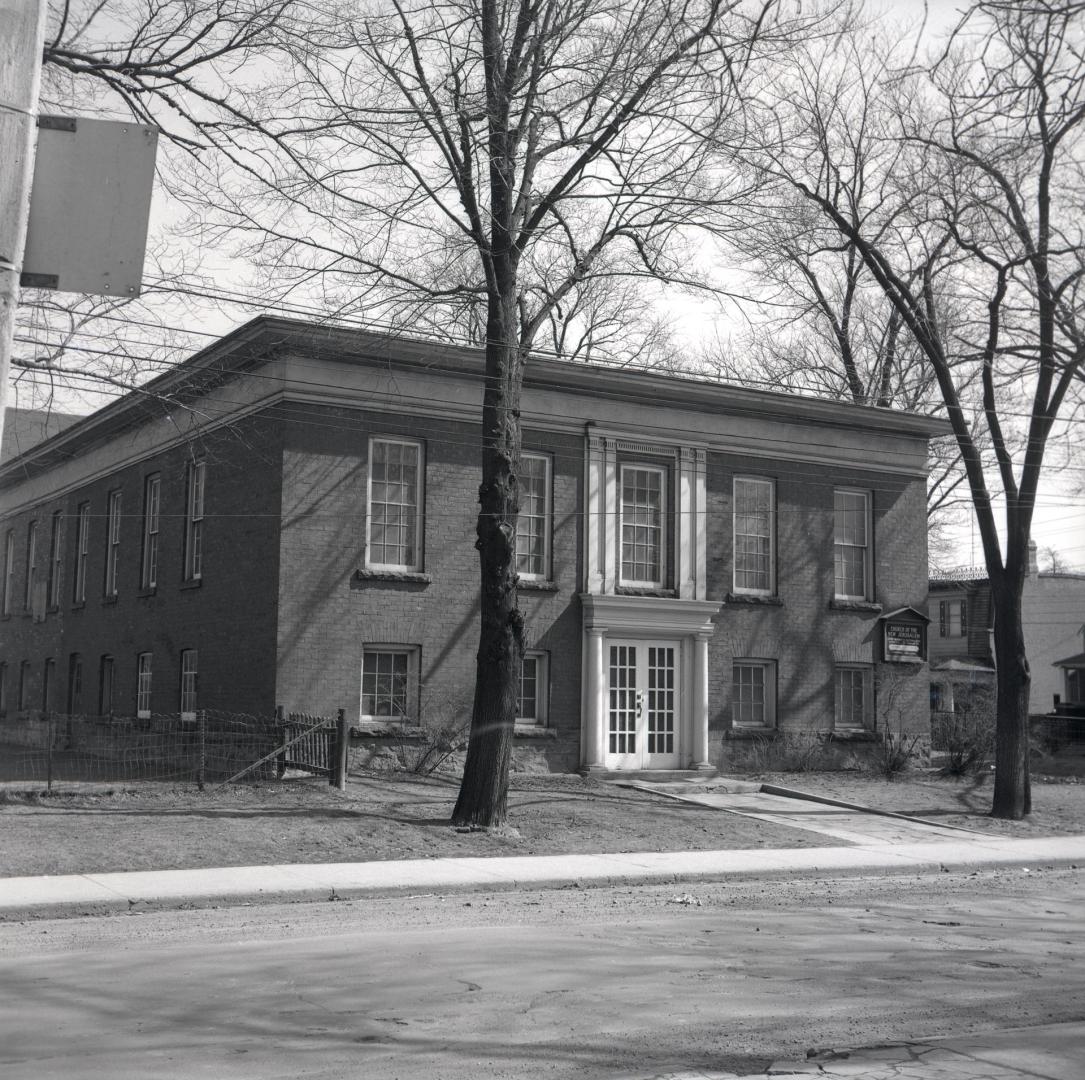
<point>603,983</point>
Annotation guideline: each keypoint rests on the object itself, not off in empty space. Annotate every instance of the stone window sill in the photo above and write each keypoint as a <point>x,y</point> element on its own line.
<point>753,598</point>
<point>628,590</point>
<point>536,585</point>
<point>195,583</point>
<point>856,605</point>
<point>402,577</point>
<point>534,731</point>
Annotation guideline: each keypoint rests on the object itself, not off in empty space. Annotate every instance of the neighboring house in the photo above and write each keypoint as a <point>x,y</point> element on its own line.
<point>25,428</point>
<point>961,644</point>
<point>1071,700</point>
<point>700,565</point>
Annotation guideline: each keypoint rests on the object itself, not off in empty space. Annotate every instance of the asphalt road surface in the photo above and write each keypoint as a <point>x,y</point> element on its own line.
<point>602,983</point>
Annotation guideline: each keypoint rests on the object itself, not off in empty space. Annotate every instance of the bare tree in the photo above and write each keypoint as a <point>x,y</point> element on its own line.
<point>983,154</point>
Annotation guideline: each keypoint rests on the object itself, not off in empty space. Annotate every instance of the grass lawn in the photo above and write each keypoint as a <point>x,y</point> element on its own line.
<point>88,828</point>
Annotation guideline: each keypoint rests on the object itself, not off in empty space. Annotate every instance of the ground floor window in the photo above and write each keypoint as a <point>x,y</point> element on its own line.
<point>532,701</point>
<point>189,679</point>
<point>389,681</point>
<point>753,694</point>
<point>143,686</point>
<point>854,705</point>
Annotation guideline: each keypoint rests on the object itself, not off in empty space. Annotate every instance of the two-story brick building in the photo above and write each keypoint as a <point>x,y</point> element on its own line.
<point>288,518</point>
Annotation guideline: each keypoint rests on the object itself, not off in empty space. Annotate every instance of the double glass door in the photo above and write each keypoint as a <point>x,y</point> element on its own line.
<point>642,705</point>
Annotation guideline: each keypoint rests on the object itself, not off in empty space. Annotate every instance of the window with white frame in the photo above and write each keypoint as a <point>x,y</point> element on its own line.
<point>152,494</point>
<point>854,698</point>
<point>82,543</point>
<point>754,535</point>
<point>533,698</point>
<point>48,671</point>
<point>394,518</point>
<point>106,671</point>
<point>189,679</point>
<point>389,683</point>
<point>643,525</point>
<point>753,693</point>
<point>851,544</point>
<point>194,500</point>
<point>9,571</point>
<point>951,618</point>
<point>143,685</point>
<point>533,525</point>
<point>54,559</point>
<point>31,564</point>
<point>113,542</point>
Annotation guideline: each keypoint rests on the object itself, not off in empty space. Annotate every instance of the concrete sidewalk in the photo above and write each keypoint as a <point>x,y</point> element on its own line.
<point>101,893</point>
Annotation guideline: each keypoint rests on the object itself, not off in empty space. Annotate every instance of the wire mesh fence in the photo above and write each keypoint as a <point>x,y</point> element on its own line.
<point>207,746</point>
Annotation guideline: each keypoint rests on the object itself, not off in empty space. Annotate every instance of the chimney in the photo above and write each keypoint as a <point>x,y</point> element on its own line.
<point>1033,565</point>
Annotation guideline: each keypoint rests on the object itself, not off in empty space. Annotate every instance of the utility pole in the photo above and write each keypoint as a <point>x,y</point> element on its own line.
<point>22,31</point>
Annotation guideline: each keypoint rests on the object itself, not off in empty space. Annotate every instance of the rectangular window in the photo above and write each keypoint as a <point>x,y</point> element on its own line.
<point>47,676</point>
<point>24,686</point>
<point>394,518</point>
<point>197,475</point>
<point>113,542</point>
<point>854,705</point>
<point>9,571</point>
<point>31,565</point>
<point>951,618</point>
<point>54,560</point>
<point>143,686</point>
<point>754,514</point>
<point>75,684</point>
<point>851,545</point>
<point>189,679</point>
<point>105,686</point>
<point>643,511</point>
<point>3,689</point>
<point>152,492</point>
<point>82,542</point>
<point>533,698</point>
<point>389,677</point>
<point>533,526</point>
<point>753,694</point>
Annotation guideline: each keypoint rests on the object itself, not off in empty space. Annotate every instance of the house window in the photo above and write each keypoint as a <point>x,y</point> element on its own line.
<point>113,542</point>
<point>532,701</point>
<point>3,689</point>
<point>143,686</point>
<point>851,545</point>
<point>197,472</point>
<point>394,519</point>
<point>75,684</point>
<point>642,525</point>
<point>152,493</point>
<point>533,526</point>
<point>189,679</point>
<point>31,564</point>
<point>951,618</point>
<point>9,571</point>
<point>24,685</point>
<point>105,686</point>
<point>82,540</point>
<point>389,677</point>
<point>753,694</point>
<point>754,535</point>
<point>854,699</point>
<point>47,678</point>
<point>54,560</point>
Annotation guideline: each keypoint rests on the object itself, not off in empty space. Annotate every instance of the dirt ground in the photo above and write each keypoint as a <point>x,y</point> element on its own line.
<point>95,828</point>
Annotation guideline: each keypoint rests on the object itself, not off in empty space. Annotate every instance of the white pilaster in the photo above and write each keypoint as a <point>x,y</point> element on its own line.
<point>699,703</point>
<point>593,727</point>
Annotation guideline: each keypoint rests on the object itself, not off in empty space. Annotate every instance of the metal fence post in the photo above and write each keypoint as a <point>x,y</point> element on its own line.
<point>201,748</point>
<point>337,775</point>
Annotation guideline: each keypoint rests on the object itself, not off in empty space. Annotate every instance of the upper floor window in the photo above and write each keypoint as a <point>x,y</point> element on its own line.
<point>533,526</point>
<point>394,517</point>
<point>54,560</point>
<point>9,572</point>
<point>533,698</point>
<point>951,618</point>
<point>189,679</point>
<point>851,545</point>
<point>754,535</point>
<point>143,685</point>
<point>31,564</point>
<point>197,472</point>
<point>82,542</point>
<point>113,542</point>
<point>642,525</point>
<point>854,698</point>
<point>152,493</point>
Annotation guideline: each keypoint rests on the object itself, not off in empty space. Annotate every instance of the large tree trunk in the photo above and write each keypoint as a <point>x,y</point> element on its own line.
<point>1012,795</point>
<point>483,790</point>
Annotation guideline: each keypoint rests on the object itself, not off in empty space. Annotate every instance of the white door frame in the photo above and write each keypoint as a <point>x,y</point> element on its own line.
<point>633,703</point>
